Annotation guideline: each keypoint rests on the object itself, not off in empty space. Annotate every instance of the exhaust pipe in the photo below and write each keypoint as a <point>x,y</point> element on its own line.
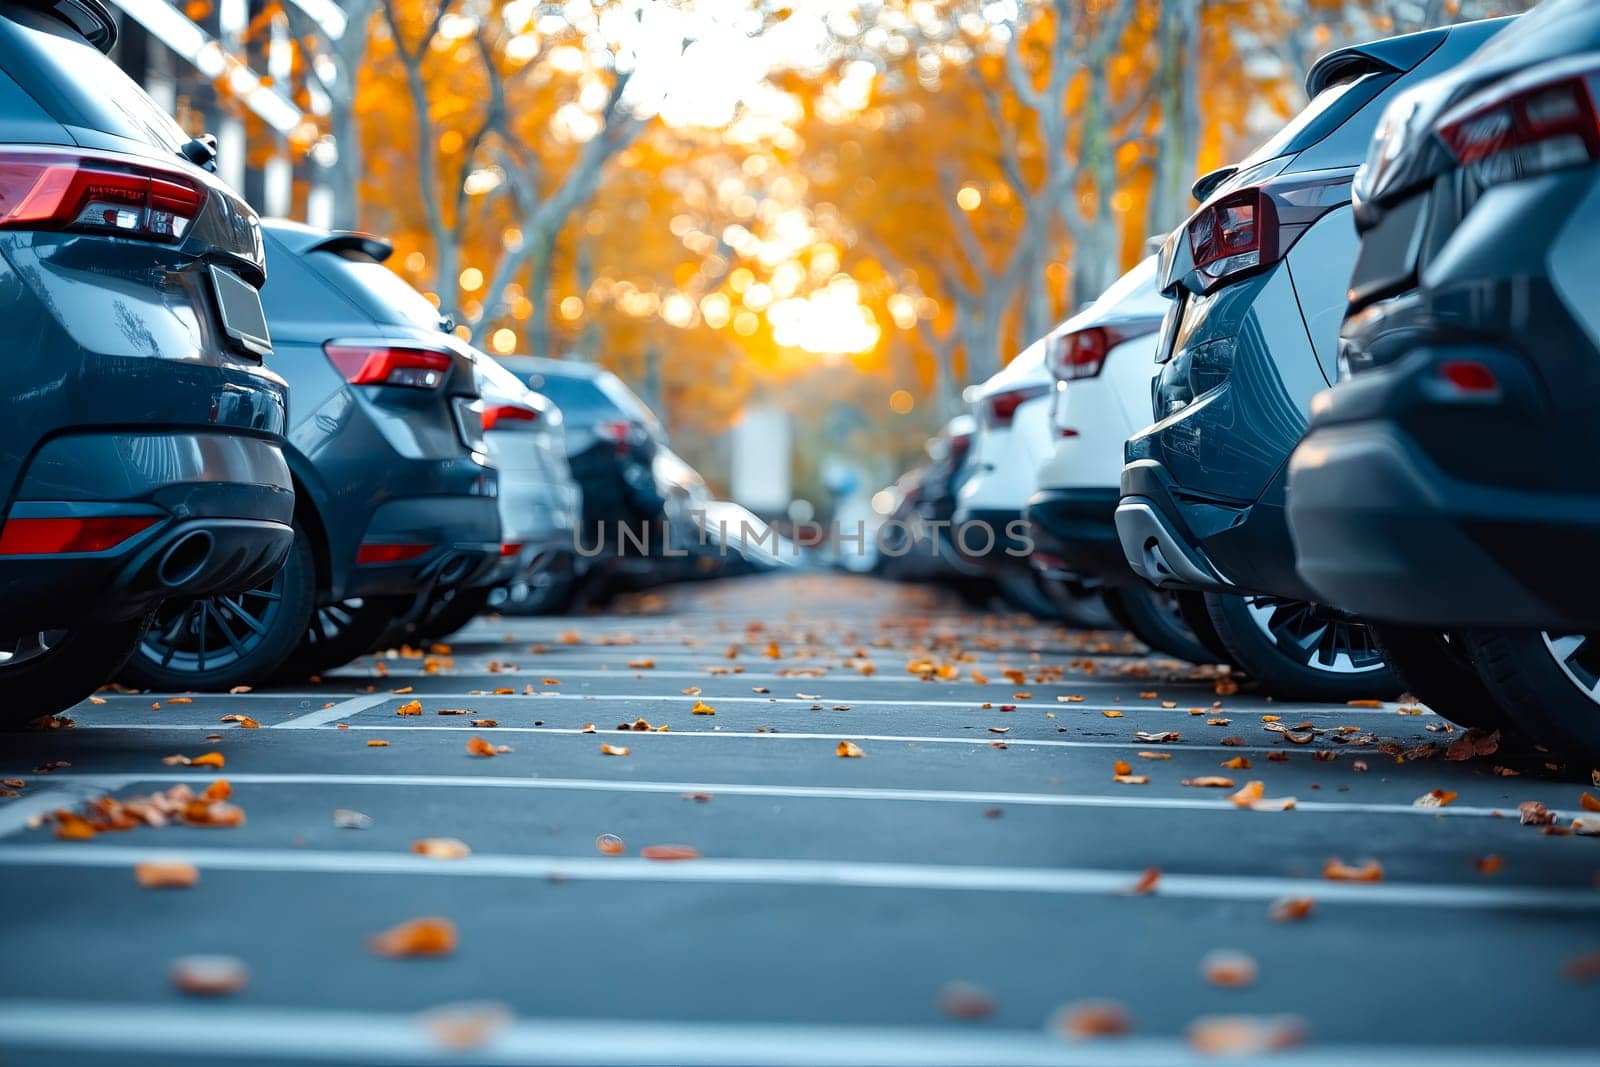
<point>185,559</point>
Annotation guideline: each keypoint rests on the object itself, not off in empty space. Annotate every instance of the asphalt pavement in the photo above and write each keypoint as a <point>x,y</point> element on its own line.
<point>975,887</point>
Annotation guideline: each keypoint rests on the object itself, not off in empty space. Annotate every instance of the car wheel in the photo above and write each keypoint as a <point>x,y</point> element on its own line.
<point>1548,684</point>
<point>48,672</point>
<point>1436,668</point>
<point>1192,609</point>
<point>339,632</point>
<point>218,642</point>
<point>446,613</point>
<point>1153,617</point>
<point>1298,651</point>
<point>1019,590</point>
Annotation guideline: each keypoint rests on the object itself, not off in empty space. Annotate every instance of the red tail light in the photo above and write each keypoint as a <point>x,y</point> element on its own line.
<point>1469,377</point>
<point>36,537</point>
<point>620,432</point>
<point>1251,229</point>
<point>381,553</point>
<point>413,368</point>
<point>1528,130</point>
<point>1002,407</point>
<point>510,548</point>
<point>1082,353</point>
<point>508,417</point>
<point>93,194</point>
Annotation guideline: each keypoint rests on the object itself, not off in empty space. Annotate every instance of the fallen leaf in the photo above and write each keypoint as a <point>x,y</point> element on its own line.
<point>1154,755</point>
<point>1237,763</point>
<point>376,743</point>
<point>1291,909</point>
<point>692,691</point>
<point>410,707</point>
<point>477,746</point>
<point>345,819</point>
<point>1121,767</point>
<point>847,750</point>
<point>1208,781</point>
<point>1131,779</point>
<point>614,750</point>
<point>209,976</point>
<point>1111,714</point>
<point>610,845</point>
<point>641,664</point>
<point>1244,1035</point>
<point>1435,798</point>
<point>441,848</point>
<point>1146,883</point>
<point>1585,968</point>
<point>1589,803</point>
<point>669,852</point>
<point>465,1026</point>
<point>486,724</point>
<point>1157,737</point>
<point>1228,968</point>
<point>241,689</point>
<point>1248,795</point>
<point>1091,1019</point>
<point>1533,813</point>
<point>702,708</point>
<point>1364,703</point>
<point>1586,826</point>
<point>1336,870</point>
<point>416,937</point>
<point>166,875</point>
<point>1487,865</point>
<point>963,1000</point>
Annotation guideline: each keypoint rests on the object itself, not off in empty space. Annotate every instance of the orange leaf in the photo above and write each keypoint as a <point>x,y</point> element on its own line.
<point>1091,1018</point>
<point>1110,714</point>
<point>1121,767</point>
<point>1291,909</point>
<point>1208,781</point>
<point>1146,883</point>
<point>477,746</point>
<point>416,937</point>
<point>410,707</point>
<point>1436,798</point>
<point>1242,1035</point>
<point>1335,870</point>
<point>1589,803</point>
<point>669,852</point>
<point>377,743</point>
<point>963,1000</point>
<point>166,875</point>
<point>702,708</point>
<point>441,848</point>
<point>1247,796</point>
<point>610,845</point>
<point>1237,763</point>
<point>1232,970</point>
<point>641,664</point>
<point>1489,864</point>
<point>614,750</point>
<point>846,750</point>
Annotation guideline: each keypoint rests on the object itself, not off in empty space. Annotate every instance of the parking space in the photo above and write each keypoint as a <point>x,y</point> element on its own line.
<point>1004,846</point>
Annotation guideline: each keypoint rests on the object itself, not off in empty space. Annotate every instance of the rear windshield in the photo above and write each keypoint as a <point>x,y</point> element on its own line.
<point>77,85</point>
<point>580,399</point>
<point>376,289</point>
<point>1326,112</point>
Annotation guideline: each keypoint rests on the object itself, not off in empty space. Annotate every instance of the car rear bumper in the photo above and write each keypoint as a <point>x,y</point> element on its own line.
<point>1078,527</point>
<point>1383,528</point>
<point>462,539</point>
<point>222,506</point>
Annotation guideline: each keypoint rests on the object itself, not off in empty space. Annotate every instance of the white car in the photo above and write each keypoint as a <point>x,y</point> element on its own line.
<point>1102,361</point>
<point>1013,438</point>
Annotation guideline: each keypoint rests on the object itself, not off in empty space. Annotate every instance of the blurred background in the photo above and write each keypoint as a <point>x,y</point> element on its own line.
<point>798,230</point>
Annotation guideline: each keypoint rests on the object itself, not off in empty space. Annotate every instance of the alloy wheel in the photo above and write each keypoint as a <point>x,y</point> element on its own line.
<point>1578,656</point>
<point>25,648</point>
<point>1319,640</point>
<point>212,632</point>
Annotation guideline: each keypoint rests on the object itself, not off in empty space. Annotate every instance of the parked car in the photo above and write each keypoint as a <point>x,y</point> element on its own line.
<point>1446,487</point>
<point>538,502</point>
<point>1258,276</point>
<point>395,499</point>
<point>612,440</point>
<point>1102,360</point>
<point>142,453</point>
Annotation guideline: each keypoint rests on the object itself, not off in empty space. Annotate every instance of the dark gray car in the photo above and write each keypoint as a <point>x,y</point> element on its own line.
<point>395,499</point>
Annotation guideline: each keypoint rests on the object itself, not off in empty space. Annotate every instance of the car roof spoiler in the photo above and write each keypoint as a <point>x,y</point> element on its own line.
<point>90,18</point>
<point>1392,54</point>
<point>352,241</point>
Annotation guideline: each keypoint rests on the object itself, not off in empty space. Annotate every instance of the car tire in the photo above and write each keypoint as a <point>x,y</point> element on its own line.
<point>338,632</point>
<point>1192,609</point>
<point>1295,651</point>
<point>218,642</point>
<point>1151,615</point>
<point>76,662</point>
<point>1022,593</point>
<point>1437,669</point>
<point>445,614</point>
<point>1548,692</point>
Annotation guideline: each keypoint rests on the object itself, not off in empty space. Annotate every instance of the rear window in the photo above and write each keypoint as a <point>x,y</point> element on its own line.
<point>376,289</point>
<point>77,85</point>
<point>1326,112</point>
<point>579,399</point>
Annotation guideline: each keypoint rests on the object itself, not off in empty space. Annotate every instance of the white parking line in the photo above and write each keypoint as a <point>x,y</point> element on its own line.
<point>913,876</point>
<point>1287,713</point>
<point>527,673</point>
<point>214,1031</point>
<point>341,710</point>
<point>1129,799</point>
